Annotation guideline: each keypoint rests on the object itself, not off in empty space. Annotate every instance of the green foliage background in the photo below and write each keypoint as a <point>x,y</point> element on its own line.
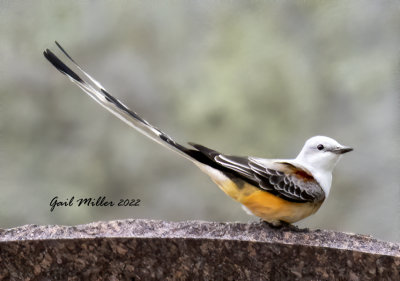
<point>243,77</point>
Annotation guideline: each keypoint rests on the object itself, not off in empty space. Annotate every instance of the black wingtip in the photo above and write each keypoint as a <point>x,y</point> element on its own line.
<point>62,67</point>
<point>192,144</point>
<point>198,146</point>
<point>208,151</point>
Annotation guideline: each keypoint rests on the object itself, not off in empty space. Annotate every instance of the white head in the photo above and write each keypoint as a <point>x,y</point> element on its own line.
<point>321,153</point>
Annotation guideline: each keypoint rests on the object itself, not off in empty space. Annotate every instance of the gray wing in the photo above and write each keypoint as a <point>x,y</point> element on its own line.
<point>288,181</point>
<point>280,178</point>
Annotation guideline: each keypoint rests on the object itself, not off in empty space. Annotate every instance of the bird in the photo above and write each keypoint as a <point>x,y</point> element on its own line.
<point>278,191</point>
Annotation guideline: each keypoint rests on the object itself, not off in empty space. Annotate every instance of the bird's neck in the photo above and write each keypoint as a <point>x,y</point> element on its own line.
<point>322,176</point>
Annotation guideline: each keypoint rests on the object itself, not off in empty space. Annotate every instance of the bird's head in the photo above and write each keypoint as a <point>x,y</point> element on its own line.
<point>321,153</point>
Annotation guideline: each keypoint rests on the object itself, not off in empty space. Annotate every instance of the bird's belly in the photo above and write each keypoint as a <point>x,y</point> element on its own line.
<point>265,205</point>
<point>274,209</point>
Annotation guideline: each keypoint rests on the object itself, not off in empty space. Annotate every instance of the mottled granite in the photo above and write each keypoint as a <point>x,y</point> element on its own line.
<point>192,250</point>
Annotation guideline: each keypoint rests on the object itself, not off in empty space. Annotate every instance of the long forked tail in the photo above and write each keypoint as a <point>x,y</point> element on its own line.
<point>96,91</point>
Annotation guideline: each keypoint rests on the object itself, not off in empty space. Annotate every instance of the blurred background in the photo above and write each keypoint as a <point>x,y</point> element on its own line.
<point>243,77</point>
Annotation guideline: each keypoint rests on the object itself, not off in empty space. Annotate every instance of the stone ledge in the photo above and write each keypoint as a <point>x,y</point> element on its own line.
<point>192,250</point>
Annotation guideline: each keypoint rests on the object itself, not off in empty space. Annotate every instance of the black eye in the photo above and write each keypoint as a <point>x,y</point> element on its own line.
<point>320,147</point>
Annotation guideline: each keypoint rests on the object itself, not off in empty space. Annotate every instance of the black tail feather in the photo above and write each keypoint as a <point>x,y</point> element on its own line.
<point>62,67</point>
<point>65,52</point>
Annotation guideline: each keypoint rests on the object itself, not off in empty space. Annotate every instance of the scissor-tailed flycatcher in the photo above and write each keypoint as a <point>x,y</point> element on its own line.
<point>274,190</point>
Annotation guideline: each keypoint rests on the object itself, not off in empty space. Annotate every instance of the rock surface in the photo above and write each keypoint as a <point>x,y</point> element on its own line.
<point>192,250</point>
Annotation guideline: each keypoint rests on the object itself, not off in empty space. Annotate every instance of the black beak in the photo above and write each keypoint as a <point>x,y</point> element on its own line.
<point>342,150</point>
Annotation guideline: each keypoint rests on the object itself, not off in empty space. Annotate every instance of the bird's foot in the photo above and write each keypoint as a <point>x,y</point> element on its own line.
<point>282,225</point>
<point>273,224</point>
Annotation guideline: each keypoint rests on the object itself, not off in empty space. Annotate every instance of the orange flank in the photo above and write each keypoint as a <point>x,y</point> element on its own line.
<point>266,205</point>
